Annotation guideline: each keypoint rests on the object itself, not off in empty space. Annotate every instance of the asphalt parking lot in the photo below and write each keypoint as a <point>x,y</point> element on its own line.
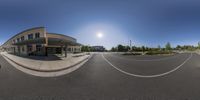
<point>99,80</point>
<point>147,65</point>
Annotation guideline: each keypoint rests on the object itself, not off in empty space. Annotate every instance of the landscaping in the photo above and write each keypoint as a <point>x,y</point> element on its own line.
<point>132,53</point>
<point>159,50</point>
<point>159,53</point>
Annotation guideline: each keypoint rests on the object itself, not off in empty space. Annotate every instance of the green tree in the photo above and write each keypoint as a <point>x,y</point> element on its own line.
<point>120,48</point>
<point>159,48</point>
<point>85,48</point>
<point>168,46</point>
<point>127,48</point>
<point>134,48</point>
<point>113,49</point>
<point>199,45</point>
<point>143,48</point>
<point>178,47</point>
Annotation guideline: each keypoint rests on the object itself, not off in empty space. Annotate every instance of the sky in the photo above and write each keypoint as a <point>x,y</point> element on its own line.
<point>144,22</point>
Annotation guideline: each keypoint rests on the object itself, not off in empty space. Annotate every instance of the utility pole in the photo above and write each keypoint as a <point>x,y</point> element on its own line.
<point>130,45</point>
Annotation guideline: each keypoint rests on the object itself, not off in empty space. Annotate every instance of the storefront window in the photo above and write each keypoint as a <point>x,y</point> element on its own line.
<point>29,47</point>
<point>38,48</point>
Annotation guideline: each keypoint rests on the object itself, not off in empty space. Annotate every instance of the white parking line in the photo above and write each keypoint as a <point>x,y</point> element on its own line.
<point>147,76</point>
<point>159,59</point>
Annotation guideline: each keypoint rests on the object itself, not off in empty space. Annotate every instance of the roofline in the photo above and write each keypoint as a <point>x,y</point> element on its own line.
<point>22,32</point>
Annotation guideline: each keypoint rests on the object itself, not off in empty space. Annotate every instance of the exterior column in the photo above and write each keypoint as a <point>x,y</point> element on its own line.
<point>46,51</point>
<point>14,51</point>
<point>65,50</point>
<point>61,50</point>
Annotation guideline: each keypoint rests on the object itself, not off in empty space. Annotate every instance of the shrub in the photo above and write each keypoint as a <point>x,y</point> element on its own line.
<point>159,52</point>
<point>131,53</point>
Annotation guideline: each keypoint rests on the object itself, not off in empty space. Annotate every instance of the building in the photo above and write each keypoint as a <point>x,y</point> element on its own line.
<point>98,48</point>
<point>37,41</point>
<point>1,49</point>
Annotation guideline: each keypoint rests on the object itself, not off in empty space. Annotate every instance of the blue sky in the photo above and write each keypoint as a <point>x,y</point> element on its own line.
<point>145,22</point>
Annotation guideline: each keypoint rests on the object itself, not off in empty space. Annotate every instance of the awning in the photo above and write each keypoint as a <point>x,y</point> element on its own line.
<point>61,42</point>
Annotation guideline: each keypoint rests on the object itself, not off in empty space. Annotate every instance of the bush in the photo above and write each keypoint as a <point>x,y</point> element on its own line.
<point>159,52</point>
<point>131,53</point>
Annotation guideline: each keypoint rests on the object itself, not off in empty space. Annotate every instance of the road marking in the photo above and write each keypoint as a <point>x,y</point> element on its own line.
<point>147,76</point>
<point>159,59</point>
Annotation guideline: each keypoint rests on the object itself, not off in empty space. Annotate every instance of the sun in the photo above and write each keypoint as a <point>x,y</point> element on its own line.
<point>99,35</point>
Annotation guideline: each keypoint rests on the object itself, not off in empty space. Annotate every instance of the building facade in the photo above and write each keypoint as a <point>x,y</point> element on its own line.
<point>37,41</point>
<point>98,48</point>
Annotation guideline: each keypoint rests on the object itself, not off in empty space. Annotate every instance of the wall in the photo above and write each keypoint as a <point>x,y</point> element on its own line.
<point>9,47</point>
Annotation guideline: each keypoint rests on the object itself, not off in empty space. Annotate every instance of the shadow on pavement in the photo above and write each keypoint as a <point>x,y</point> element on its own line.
<point>42,58</point>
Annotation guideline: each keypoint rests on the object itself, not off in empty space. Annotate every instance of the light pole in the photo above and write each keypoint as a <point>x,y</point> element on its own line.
<point>130,45</point>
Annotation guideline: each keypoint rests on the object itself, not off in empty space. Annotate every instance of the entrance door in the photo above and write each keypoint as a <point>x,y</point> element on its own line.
<point>58,50</point>
<point>54,50</point>
<point>29,50</point>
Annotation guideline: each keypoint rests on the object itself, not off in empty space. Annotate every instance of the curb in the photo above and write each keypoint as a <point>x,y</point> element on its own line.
<point>55,70</point>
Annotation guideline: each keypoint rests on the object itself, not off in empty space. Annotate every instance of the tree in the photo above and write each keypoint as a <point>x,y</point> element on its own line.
<point>168,46</point>
<point>178,47</point>
<point>143,48</point>
<point>199,45</point>
<point>120,48</point>
<point>159,48</point>
<point>113,49</point>
<point>134,48</point>
<point>85,48</point>
<point>127,48</point>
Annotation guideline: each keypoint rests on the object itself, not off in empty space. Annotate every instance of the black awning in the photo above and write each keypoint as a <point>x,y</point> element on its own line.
<point>61,42</point>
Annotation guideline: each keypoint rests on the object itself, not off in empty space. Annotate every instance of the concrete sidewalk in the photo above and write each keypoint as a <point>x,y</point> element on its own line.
<point>45,65</point>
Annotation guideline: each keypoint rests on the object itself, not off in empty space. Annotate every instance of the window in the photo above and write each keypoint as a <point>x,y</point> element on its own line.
<point>38,48</point>
<point>18,39</point>
<point>29,47</point>
<point>23,49</point>
<point>13,41</point>
<point>30,36</point>
<point>37,35</point>
<point>22,38</point>
<point>69,49</point>
<point>18,48</point>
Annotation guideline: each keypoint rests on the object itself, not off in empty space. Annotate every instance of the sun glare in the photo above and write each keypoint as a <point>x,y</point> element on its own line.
<point>99,35</point>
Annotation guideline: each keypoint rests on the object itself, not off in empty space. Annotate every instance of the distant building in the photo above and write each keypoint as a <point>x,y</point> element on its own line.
<point>37,41</point>
<point>98,48</point>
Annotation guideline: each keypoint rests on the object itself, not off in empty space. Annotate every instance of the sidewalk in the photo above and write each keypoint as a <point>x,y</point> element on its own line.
<point>46,65</point>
